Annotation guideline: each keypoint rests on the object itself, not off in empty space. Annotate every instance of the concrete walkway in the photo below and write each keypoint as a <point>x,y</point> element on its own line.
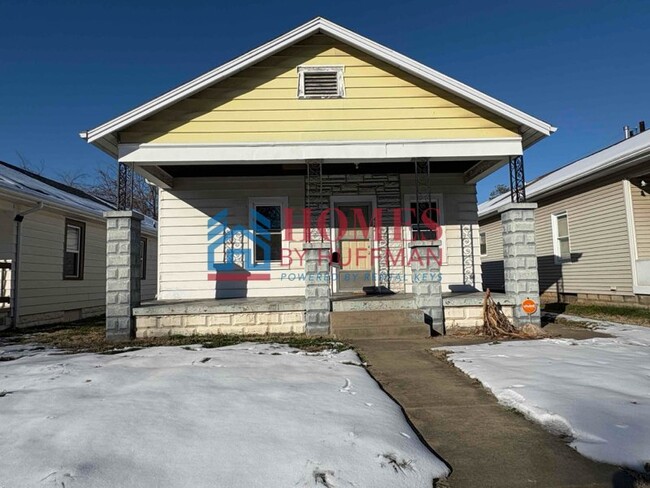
<point>485,444</point>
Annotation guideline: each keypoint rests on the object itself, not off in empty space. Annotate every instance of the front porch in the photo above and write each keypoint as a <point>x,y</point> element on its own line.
<point>380,314</point>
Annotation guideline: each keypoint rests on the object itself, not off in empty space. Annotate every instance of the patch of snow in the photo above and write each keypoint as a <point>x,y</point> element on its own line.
<point>250,415</point>
<point>595,392</point>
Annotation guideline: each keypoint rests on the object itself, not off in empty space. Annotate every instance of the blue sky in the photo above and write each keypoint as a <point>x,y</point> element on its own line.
<point>67,66</point>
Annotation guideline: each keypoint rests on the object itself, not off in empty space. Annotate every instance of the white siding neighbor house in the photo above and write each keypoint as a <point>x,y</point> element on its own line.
<point>53,251</point>
<point>592,228</point>
<point>323,139</point>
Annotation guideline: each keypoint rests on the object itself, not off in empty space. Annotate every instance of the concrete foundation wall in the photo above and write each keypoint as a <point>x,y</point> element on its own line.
<point>642,301</point>
<point>245,323</point>
<point>468,319</point>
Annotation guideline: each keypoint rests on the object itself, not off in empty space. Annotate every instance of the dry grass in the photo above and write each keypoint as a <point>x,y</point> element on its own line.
<point>626,315</point>
<point>89,336</point>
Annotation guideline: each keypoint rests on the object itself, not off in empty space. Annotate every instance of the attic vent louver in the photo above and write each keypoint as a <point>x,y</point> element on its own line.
<point>320,82</point>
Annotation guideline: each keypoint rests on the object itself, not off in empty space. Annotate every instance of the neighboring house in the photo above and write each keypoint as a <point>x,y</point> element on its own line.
<point>324,119</point>
<point>62,250</point>
<point>592,228</point>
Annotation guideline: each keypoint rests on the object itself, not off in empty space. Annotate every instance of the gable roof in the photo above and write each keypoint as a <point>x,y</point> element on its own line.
<point>616,157</point>
<point>532,129</point>
<point>21,182</point>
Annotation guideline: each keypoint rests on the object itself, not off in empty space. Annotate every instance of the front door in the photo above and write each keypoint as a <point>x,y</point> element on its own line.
<point>354,246</point>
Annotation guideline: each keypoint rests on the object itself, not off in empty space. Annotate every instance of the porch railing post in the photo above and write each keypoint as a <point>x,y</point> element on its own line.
<point>427,287</point>
<point>317,288</point>
<point>520,259</point>
<point>122,272</point>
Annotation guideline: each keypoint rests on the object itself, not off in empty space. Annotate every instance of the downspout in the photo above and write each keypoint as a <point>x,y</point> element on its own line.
<point>16,265</point>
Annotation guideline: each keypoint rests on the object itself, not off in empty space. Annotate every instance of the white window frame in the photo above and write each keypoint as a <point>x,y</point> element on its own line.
<point>143,257</point>
<point>556,237</point>
<point>482,235</point>
<point>283,203</point>
<point>435,197</point>
<point>338,69</point>
<point>79,252</point>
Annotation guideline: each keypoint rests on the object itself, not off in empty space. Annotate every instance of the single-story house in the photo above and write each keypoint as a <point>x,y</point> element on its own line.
<point>53,251</point>
<point>320,138</point>
<point>592,228</point>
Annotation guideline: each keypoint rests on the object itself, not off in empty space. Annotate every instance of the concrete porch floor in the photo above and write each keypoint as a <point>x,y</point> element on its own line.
<point>221,305</point>
<point>292,303</point>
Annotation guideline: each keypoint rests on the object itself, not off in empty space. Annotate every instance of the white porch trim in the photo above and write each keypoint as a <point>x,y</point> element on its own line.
<point>441,149</point>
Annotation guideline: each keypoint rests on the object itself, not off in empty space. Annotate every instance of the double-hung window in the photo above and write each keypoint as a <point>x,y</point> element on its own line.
<point>143,259</point>
<point>267,218</point>
<point>483,244</point>
<point>420,231</point>
<point>561,241</point>
<point>73,255</point>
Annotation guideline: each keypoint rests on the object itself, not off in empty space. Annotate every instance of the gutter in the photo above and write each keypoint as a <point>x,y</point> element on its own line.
<point>15,276</point>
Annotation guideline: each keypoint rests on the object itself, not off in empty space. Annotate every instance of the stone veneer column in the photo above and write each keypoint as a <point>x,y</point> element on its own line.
<point>426,282</point>
<point>122,273</point>
<point>520,258</point>
<point>317,288</point>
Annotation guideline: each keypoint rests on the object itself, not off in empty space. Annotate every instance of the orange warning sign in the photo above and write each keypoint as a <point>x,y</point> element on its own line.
<point>529,306</point>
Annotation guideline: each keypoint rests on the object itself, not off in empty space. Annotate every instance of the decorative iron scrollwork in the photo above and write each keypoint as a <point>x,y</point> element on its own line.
<point>517,180</point>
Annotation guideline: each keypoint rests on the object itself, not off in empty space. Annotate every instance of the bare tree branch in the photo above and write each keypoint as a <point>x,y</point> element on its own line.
<point>26,164</point>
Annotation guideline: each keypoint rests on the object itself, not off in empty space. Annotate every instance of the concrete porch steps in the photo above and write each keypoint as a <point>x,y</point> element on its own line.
<point>378,324</point>
<point>358,303</point>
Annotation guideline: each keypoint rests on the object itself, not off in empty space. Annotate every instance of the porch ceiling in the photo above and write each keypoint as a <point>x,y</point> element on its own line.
<point>403,167</point>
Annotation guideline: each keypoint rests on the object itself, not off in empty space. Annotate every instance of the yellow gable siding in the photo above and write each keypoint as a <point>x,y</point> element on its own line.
<point>260,104</point>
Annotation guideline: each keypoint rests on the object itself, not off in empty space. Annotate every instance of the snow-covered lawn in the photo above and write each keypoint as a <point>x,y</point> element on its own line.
<point>595,392</point>
<point>250,415</point>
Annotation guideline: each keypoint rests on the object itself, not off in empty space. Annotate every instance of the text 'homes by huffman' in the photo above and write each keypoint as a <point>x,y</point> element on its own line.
<point>319,174</point>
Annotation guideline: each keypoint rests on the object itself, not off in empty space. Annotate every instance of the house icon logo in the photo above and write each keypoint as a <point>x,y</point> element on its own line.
<point>237,252</point>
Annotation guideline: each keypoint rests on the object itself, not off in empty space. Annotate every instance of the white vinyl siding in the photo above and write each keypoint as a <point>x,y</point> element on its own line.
<point>44,294</point>
<point>600,251</point>
<point>492,261</point>
<point>183,243</point>
<point>183,226</point>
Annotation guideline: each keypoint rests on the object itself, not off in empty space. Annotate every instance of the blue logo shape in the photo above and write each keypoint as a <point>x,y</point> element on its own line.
<point>242,247</point>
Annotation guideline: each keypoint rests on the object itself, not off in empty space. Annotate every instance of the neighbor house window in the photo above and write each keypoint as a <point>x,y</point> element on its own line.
<point>419,230</point>
<point>320,82</point>
<point>267,218</point>
<point>143,259</point>
<point>73,256</point>
<point>483,244</point>
<point>561,242</point>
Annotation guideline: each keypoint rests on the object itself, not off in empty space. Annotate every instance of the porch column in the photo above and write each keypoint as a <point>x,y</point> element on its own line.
<point>520,258</point>
<point>426,282</point>
<point>317,288</point>
<point>122,273</point>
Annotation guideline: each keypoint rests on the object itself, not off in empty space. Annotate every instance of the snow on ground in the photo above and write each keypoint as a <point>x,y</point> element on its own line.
<point>594,392</point>
<point>250,415</point>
